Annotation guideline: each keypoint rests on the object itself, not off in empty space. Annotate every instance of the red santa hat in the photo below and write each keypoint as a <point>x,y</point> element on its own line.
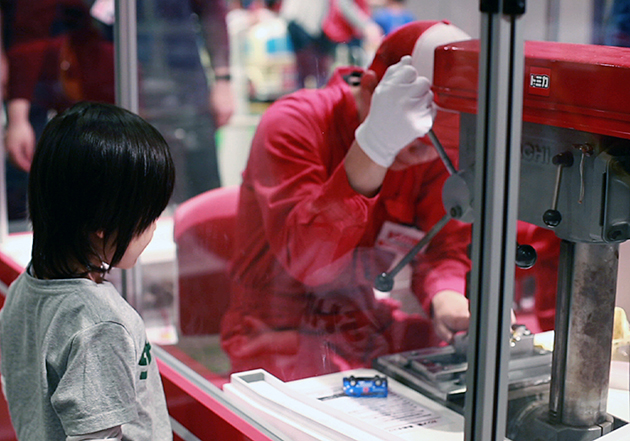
<point>418,39</point>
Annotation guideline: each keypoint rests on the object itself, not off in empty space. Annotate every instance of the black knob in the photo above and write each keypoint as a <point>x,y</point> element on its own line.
<point>564,159</point>
<point>525,256</point>
<point>384,282</point>
<point>552,218</point>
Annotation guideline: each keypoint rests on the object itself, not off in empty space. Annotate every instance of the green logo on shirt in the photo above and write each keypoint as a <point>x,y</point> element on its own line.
<point>145,360</point>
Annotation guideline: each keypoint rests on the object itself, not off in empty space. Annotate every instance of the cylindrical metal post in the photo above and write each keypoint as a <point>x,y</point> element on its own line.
<point>583,340</point>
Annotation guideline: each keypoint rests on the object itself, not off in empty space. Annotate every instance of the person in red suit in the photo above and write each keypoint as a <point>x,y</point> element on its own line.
<point>331,173</point>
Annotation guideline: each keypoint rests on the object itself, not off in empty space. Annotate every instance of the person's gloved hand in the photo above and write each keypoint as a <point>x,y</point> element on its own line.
<point>401,110</point>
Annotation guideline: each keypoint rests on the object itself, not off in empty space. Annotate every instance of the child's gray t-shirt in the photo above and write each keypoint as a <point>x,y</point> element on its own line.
<point>76,360</point>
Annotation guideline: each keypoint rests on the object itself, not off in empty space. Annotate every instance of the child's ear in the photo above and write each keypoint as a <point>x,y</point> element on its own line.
<point>97,239</point>
<point>99,246</point>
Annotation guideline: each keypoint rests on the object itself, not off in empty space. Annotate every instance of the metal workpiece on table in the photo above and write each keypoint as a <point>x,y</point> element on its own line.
<point>441,372</point>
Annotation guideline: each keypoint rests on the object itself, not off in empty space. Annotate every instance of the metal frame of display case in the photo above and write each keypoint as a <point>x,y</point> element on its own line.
<point>497,162</point>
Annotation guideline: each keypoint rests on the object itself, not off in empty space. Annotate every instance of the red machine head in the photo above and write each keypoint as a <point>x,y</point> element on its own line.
<point>575,86</point>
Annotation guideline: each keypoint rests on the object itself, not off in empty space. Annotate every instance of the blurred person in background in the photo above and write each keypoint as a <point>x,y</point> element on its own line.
<point>61,51</point>
<point>185,84</point>
<point>316,27</point>
<point>262,57</point>
<point>58,53</point>
<point>617,30</point>
<point>392,15</point>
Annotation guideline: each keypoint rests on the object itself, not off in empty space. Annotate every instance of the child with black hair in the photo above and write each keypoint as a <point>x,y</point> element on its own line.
<point>76,362</point>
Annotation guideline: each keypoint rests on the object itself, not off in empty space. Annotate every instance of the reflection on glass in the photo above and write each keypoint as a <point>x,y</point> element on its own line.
<point>173,38</point>
<point>278,273</point>
<point>58,52</point>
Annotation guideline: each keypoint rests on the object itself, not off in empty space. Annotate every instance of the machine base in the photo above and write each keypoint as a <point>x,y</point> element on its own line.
<point>533,423</point>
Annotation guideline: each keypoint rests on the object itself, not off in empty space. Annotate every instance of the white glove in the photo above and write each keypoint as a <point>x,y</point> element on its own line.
<point>402,110</point>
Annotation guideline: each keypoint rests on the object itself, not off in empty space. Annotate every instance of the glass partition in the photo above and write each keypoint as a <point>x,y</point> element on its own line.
<point>274,256</point>
<point>280,267</point>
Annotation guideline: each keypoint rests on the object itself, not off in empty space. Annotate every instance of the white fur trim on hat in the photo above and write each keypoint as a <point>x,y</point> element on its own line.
<point>424,49</point>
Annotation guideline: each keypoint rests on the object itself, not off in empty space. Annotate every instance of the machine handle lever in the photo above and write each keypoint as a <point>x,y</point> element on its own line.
<point>440,149</point>
<point>552,217</point>
<point>385,281</point>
